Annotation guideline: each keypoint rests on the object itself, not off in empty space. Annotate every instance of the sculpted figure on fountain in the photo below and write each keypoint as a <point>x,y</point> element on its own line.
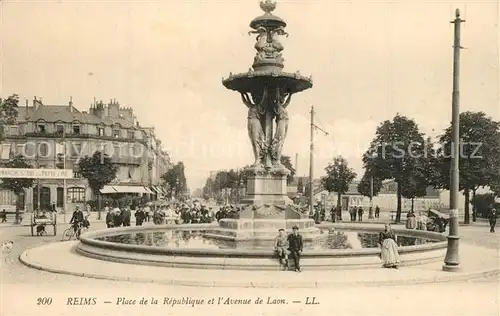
<point>256,111</point>
<point>280,105</point>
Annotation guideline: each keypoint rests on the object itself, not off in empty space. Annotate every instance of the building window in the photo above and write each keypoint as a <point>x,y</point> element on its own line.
<point>43,150</point>
<point>136,150</point>
<point>116,133</point>
<point>76,129</point>
<point>100,131</point>
<point>76,195</point>
<point>14,130</point>
<point>77,150</point>
<point>59,129</point>
<point>130,134</point>
<point>60,197</point>
<point>117,151</point>
<point>41,128</point>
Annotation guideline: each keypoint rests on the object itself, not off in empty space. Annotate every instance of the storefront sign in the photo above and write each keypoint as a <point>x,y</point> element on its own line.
<point>36,173</point>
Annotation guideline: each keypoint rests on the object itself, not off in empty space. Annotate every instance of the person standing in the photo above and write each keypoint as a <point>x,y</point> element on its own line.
<point>333,213</point>
<point>295,246</point>
<point>370,212</point>
<point>360,214</point>
<point>492,217</point>
<point>411,220</point>
<point>377,212</point>
<point>147,212</point>
<point>126,214</point>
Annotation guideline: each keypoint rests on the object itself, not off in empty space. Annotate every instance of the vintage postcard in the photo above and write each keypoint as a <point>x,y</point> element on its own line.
<point>257,157</point>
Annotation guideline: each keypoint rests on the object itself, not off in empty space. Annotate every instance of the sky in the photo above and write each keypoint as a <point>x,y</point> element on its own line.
<point>368,59</point>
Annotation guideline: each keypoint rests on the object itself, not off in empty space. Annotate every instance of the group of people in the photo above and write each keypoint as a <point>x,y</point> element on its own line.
<point>167,213</point>
<point>291,245</point>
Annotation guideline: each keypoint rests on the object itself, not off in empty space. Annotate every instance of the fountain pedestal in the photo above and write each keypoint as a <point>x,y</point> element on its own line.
<point>266,209</point>
<point>266,187</point>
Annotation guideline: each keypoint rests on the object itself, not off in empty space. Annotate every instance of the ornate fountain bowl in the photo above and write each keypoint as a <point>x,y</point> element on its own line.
<point>267,20</point>
<point>251,81</point>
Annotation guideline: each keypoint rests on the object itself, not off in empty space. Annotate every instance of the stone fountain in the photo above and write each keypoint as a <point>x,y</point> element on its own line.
<point>266,90</point>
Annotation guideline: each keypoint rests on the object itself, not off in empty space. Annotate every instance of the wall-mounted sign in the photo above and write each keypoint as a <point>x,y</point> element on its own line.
<point>36,173</point>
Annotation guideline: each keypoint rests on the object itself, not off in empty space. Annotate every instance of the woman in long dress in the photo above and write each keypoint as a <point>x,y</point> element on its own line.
<point>389,248</point>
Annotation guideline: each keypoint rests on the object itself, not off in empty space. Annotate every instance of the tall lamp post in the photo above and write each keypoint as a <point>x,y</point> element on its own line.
<point>451,260</point>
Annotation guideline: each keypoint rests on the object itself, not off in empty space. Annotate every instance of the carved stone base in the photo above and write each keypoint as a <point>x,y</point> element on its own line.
<point>266,187</point>
<point>259,225</point>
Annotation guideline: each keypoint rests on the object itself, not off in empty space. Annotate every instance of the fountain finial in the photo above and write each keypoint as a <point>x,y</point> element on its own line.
<point>268,6</point>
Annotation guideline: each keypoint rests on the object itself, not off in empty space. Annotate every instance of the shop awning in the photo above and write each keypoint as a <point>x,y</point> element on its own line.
<point>156,189</point>
<point>149,191</point>
<point>124,189</point>
<point>108,189</point>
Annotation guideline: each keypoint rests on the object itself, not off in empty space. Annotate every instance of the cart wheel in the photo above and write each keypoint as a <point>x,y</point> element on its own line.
<point>32,232</point>
<point>55,230</point>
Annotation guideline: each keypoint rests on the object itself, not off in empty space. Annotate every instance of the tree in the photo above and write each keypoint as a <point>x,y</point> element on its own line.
<point>175,180</point>
<point>8,112</point>
<point>415,184</point>
<point>393,151</point>
<point>338,177</point>
<point>17,185</point>
<point>479,156</point>
<point>287,162</point>
<point>364,186</point>
<point>99,171</point>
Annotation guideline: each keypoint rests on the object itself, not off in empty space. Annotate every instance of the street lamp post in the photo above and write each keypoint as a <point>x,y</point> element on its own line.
<point>451,259</point>
<point>64,180</point>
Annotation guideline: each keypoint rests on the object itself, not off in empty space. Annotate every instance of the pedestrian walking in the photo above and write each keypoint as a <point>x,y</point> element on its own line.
<point>492,217</point>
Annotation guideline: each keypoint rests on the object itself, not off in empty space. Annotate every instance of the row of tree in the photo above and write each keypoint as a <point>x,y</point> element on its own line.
<point>400,152</point>
<point>228,182</point>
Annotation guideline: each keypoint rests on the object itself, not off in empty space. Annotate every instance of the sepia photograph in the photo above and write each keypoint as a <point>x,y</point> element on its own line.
<point>249,157</point>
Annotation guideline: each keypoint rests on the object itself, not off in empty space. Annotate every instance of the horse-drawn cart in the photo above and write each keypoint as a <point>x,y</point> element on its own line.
<point>39,222</point>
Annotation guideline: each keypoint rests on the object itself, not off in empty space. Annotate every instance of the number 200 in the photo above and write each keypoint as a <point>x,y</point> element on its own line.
<point>44,301</point>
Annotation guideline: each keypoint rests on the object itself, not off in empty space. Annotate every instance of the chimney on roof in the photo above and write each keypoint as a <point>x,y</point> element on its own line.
<point>27,103</point>
<point>35,103</point>
<point>70,104</point>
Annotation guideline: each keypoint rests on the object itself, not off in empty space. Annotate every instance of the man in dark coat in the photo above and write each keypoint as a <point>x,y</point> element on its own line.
<point>492,217</point>
<point>295,246</point>
<point>77,218</point>
<point>360,214</point>
<point>126,214</point>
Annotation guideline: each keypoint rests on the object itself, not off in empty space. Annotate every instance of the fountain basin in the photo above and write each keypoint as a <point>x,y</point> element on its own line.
<point>252,259</point>
<point>250,81</point>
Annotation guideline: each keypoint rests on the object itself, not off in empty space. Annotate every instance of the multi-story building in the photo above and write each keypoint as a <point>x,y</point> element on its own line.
<point>57,136</point>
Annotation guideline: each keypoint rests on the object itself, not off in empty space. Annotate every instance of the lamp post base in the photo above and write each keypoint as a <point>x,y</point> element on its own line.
<point>451,268</point>
<point>452,260</point>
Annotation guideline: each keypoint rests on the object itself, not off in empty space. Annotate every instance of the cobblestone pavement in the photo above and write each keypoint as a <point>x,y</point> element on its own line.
<point>473,297</point>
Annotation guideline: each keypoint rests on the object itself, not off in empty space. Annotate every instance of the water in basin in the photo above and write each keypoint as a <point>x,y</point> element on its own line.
<point>195,239</point>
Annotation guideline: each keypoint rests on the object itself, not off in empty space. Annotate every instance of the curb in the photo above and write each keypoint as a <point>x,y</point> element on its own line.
<point>450,277</point>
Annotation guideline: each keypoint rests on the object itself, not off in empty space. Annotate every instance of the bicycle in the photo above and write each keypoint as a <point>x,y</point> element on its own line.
<point>70,232</point>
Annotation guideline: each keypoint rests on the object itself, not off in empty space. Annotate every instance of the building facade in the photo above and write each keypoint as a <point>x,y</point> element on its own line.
<point>58,136</point>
